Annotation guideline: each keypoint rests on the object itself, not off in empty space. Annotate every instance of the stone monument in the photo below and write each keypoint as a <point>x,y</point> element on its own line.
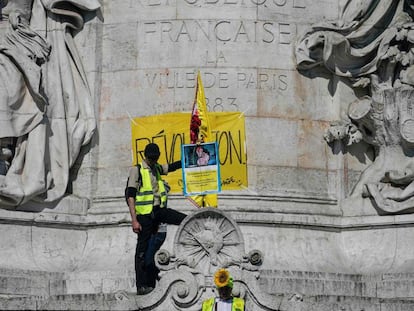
<point>326,221</point>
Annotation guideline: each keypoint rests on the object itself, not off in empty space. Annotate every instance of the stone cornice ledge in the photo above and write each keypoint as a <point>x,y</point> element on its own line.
<point>244,216</point>
<point>323,222</point>
<point>282,203</point>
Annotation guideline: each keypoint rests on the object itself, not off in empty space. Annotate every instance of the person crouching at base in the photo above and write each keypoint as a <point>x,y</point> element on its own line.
<point>226,301</point>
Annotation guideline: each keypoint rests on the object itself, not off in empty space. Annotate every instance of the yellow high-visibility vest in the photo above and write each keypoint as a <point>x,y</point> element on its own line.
<point>144,200</point>
<point>237,305</point>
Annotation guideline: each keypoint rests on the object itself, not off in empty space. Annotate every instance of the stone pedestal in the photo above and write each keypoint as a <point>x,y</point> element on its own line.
<point>309,262</point>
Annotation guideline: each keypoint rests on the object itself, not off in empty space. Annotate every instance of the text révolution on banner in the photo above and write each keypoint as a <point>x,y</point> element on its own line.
<point>170,131</point>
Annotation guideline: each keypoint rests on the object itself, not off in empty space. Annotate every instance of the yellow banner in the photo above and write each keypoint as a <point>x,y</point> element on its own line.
<point>170,131</point>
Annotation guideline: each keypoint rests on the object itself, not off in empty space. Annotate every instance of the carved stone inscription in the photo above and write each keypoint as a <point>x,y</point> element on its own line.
<point>271,4</point>
<point>268,3</point>
<point>222,42</point>
<point>267,32</point>
<point>222,79</point>
<point>226,89</point>
<point>241,47</point>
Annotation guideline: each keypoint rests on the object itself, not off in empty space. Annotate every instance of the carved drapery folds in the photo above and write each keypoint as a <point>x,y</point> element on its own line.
<point>206,241</point>
<point>372,46</point>
<point>46,110</point>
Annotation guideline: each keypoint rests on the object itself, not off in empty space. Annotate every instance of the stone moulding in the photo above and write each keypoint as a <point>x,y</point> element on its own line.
<point>302,234</point>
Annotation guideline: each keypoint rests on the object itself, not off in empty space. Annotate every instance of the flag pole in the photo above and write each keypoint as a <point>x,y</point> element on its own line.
<point>199,132</point>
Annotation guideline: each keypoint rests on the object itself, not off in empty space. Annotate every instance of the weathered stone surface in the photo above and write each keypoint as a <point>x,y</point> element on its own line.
<point>320,251</point>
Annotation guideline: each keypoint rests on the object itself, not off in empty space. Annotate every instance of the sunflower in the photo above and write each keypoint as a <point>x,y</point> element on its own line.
<point>222,278</point>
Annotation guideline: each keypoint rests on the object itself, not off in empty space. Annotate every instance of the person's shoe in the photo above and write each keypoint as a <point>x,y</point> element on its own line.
<point>143,290</point>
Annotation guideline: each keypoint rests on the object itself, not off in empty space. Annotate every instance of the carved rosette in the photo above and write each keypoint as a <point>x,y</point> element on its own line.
<point>210,239</point>
<point>206,241</point>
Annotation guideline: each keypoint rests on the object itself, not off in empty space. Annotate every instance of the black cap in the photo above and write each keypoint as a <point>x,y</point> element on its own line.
<point>152,151</point>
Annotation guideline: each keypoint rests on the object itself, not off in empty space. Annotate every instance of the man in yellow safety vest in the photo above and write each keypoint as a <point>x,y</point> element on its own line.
<point>226,301</point>
<point>147,201</point>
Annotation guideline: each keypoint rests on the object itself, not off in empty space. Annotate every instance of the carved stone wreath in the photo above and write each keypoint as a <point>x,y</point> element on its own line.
<point>206,240</point>
<point>210,238</point>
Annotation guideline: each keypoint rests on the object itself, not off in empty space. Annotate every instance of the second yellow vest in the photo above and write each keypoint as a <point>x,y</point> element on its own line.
<point>237,305</point>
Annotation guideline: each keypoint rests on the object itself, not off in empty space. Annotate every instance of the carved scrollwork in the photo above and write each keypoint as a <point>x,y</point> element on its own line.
<point>205,241</point>
<point>177,290</point>
<point>371,46</point>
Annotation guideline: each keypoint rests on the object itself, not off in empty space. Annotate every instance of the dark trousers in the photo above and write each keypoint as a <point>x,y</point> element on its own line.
<point>149,225</point>
<point>154,244</point>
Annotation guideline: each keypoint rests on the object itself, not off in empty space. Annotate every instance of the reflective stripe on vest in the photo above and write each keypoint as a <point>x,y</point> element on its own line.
<point>237,305</point>
<point>144,199</point>
<point>208,305</point>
